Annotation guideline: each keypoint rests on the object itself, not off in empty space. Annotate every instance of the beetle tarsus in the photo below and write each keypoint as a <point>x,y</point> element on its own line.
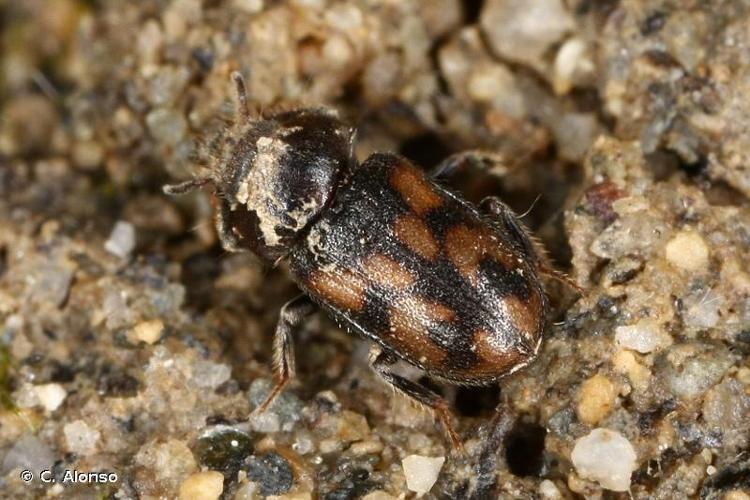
<point>381,360</point>
<point>561,277</point>
<point>292,315</point>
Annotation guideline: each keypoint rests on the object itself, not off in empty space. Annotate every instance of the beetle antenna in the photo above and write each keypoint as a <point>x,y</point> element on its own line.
<point>533,203</point>
<point>239,82</point>
<point>186,186</point>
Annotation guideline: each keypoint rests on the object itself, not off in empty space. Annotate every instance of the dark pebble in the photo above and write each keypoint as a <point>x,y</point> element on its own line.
<point>223,450</point>
<point>272,472</point>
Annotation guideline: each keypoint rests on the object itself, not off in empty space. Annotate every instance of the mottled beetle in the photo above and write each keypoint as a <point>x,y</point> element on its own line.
<point>389,253</point>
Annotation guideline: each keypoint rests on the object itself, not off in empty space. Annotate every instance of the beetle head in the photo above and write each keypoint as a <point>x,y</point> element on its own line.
<point>273,176</point>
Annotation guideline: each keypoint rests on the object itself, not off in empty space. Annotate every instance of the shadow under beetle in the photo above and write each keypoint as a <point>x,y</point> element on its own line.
<point>389,253</point>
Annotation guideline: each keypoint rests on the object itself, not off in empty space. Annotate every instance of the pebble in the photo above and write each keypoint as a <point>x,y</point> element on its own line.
<point>605,456</point>
<point>632,234</point>
<point>300,495</point>
<point>170,460</point>
<point>378,495</point>
<point>309,4</point>
<point>523,30</point>
<point>248,6</point>
<point>549,490</point>
<point>625,362</point>
<point>210,375</point>
<point>372,446</point>
<point>166,125</point>
<point>726,409</point>
<point>248,490</point>
<point>179,15</point>
<point>574,134</point>
<point>223,448</point>
<point>352,426</point>
<point>115,309</point>
<point>495,84</point>
<point>595,399</point>
<point>166,85</point>
<point>266,422</point>
<point>687,250</point>
<point>206,485</point>
<point>50,396</point>
<point>25,396</point>
<point>87,155</point>
<point>337,51</point>
<point>303,443</point>
<point>703,309</point>
<point>272,473</point>
<point>148,331</point>
<point>344,17</point>
<point>50,282</point>
<point>28,453</point>
<point>121,240</point>
<point>645,336</point>
<point>421,472</point>
<point>692,369</point>
<point>571,63</point>
<point>149,41</point>
<point>80,438</point>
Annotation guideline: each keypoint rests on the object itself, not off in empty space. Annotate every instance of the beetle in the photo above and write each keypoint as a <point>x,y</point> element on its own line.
<point>390,253</point>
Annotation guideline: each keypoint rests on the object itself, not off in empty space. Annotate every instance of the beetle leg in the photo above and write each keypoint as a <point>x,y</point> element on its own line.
<point>475,158</point>
<point>561,277</point>
<point>380,362</point>
<point>291,316</point>
<point>514,228</point>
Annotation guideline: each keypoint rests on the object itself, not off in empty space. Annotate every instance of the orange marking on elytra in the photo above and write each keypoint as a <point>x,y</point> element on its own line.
<point>464,247</point>
<point>415,234</point>
<point>410,320</point>
<point>414,187</point>
<point>340,286</point>
<point>387,272</point>
<point>525,315</point>
<point>495,357</point>
<point>501,253</point>
<point>411,336</point>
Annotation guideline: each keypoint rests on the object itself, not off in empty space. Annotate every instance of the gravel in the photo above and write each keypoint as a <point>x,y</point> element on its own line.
<point>272,472</point>
<point>421,472</point>
<point>121,241</point>
<point>605,456</point>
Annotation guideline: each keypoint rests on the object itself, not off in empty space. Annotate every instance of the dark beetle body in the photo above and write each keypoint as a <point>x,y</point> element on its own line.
<point>388,252</point>
<point>410,265</point>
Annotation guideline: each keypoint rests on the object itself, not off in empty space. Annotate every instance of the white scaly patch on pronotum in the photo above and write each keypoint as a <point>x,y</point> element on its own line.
<point>301,215</point>
<point>315,242</point>
<point>257,189</point>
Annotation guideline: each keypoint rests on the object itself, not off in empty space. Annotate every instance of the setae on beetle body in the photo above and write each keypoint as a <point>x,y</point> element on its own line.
<point>389,253</point>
